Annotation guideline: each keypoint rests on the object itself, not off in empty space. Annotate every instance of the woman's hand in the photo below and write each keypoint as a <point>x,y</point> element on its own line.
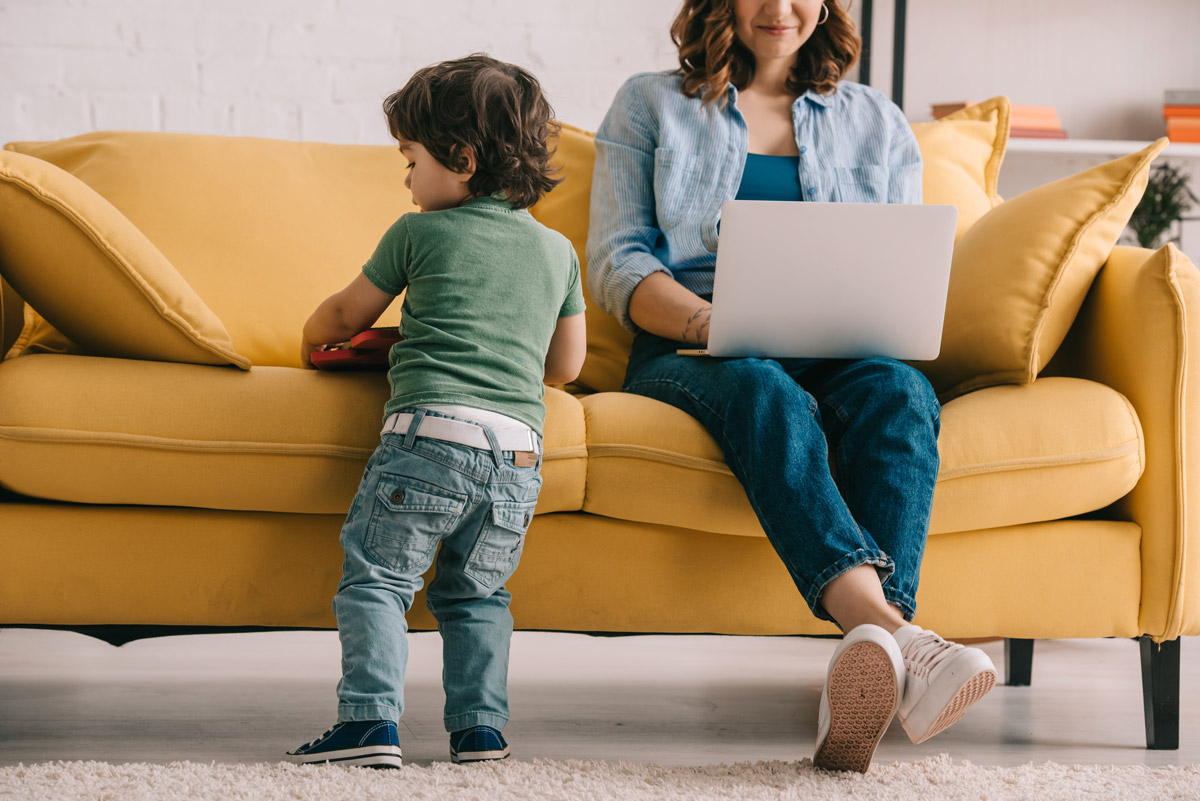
<point>662,306</point>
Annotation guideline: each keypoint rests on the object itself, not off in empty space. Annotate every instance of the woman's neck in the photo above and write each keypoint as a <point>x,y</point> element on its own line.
<point>771,78</point>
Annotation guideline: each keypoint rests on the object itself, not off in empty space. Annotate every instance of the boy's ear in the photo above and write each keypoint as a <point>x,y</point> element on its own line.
<point>467,157</point>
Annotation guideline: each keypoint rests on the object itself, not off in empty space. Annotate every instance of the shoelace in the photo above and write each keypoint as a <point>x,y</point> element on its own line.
<point>924,651</point>
<point>317,741</point>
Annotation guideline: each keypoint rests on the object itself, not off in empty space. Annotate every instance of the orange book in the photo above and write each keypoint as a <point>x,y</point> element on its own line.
<point>1037,133</point>
<point>1171,112</point>
<point>1044,123</point>
<point>1183,129</point>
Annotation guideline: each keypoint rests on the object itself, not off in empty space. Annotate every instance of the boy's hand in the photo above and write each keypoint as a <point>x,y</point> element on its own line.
<point>342,315</point>
<point>306,349</point>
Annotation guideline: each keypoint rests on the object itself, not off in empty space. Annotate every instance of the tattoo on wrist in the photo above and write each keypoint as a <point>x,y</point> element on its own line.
<point>699,321</point>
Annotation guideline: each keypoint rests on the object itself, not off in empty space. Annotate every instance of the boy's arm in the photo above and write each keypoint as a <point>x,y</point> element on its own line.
<point>344,314</point>
<point>568,347</point>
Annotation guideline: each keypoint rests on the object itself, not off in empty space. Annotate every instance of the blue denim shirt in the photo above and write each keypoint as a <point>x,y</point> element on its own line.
<point>665,164</point>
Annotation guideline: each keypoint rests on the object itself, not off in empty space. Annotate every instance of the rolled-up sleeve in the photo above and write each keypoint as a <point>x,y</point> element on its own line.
<point>623,229</point>
<point>904,161</point>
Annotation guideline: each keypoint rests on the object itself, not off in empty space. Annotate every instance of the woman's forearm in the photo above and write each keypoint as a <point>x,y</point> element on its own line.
<point>662,306</point>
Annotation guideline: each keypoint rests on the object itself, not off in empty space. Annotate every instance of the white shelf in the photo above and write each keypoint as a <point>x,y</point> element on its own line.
<point>1096,147</point>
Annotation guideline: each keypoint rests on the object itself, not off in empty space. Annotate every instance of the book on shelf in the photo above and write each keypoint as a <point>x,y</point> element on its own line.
<point>1181,97</point>
<point>1183,129</point>
<point>1037,133</point>
<point>1171,112</point>
<point>1039,122</point>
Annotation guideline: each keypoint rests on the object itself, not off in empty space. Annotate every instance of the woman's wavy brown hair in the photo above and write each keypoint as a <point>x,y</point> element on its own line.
<point>711,56</point>
<point>493,110</point>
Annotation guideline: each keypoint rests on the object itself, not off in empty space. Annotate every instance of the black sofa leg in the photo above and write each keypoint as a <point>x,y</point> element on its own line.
<point>1160,693</point>
<point>1018,662</point>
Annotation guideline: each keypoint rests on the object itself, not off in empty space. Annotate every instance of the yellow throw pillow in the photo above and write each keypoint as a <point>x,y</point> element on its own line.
<point>565,209</point>
<point>962,154</point>
<point>262,229</point>
<point>94,276</point>
<point>1020,274</point>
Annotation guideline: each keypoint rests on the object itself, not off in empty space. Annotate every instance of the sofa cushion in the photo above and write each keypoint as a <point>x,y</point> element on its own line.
<point>961,155</point>
<point>95,276</point>
<point>1020,274</point>
<point>273,439</point>
<point>263,230</point>
<point>1009,455</point>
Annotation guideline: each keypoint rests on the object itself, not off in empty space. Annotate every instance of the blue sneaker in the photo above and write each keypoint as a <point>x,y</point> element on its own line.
<point>477,744</point>
<point>369,743</point>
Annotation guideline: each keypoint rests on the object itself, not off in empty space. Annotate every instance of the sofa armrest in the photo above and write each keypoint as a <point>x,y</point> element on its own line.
<point>1139,333</point>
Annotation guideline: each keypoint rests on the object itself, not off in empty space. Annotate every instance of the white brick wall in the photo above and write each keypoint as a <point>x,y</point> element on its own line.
<point>318,69</point>
<point>298,69</point>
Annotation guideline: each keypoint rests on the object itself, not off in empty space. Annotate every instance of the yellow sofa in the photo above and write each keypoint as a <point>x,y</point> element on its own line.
<point>165,462</point>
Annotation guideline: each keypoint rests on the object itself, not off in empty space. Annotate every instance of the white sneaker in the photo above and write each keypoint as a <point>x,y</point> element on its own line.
<point>862,691</point>
<point>941,680</point>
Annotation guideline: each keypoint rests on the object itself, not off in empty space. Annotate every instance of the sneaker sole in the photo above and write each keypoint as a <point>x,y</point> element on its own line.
<point>862,700</point>
<point>478,756</point>
<point>377,757</point>
<point>976,687</point>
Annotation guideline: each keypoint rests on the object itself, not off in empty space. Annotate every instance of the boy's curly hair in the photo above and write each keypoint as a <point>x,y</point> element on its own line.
<point>492,110</point>
<point>711,56</point>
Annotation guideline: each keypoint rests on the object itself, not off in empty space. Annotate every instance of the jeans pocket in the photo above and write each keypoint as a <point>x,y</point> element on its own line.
<point>496,553</point>
<point>408,520</point>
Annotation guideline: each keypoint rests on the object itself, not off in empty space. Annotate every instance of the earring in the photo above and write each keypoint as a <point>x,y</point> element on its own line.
<point>823,19</point>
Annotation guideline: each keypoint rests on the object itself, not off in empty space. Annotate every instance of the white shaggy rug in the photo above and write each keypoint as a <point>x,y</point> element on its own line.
<point>543,780</point>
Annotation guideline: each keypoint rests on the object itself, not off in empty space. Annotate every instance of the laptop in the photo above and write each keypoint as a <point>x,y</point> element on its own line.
<point>830,280</point>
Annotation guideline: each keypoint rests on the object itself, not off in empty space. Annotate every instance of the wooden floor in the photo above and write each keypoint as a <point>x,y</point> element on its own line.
<point>668,699</point>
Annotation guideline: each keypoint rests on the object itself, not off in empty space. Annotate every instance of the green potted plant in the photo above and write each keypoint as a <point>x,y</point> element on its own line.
<point>1166,200</point>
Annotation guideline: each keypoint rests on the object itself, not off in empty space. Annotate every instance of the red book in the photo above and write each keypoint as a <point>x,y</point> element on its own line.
<point>1037,133</point>
<point>376,338</point>
<point>366,350</point>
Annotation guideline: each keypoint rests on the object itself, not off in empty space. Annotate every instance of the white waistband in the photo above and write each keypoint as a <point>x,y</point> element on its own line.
<point>461,432</point>
<point>493,420</point>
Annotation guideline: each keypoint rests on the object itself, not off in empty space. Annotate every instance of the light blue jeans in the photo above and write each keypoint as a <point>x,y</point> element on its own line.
<point>418,493</point>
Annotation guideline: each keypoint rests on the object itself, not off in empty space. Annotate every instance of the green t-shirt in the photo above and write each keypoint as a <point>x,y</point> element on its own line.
<point>486,285</point>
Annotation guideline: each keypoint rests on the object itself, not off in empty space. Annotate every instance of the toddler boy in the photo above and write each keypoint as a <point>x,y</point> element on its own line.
<point>493,308</point>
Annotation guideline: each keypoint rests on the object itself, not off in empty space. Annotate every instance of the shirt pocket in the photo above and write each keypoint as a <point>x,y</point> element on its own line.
<point>495,555</point>
<point>408,520</point>
<point>676,186</point>
<point>864,184</point>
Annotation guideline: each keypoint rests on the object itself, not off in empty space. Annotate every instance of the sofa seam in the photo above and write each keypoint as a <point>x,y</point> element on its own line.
<point>65,436</point>
<point>1011,465</point>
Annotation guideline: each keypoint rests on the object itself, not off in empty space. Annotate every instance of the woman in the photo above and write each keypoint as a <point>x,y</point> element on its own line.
<point>756,111</point>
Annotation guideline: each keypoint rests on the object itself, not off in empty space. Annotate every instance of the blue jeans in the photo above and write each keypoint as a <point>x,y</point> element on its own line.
<point>838,458</point>
<point>418,493</point>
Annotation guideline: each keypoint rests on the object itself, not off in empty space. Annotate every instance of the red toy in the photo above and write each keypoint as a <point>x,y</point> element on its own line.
<point>367,350</point>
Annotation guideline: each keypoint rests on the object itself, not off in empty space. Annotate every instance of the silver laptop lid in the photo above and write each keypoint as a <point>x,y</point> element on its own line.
<point>831,280</point>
